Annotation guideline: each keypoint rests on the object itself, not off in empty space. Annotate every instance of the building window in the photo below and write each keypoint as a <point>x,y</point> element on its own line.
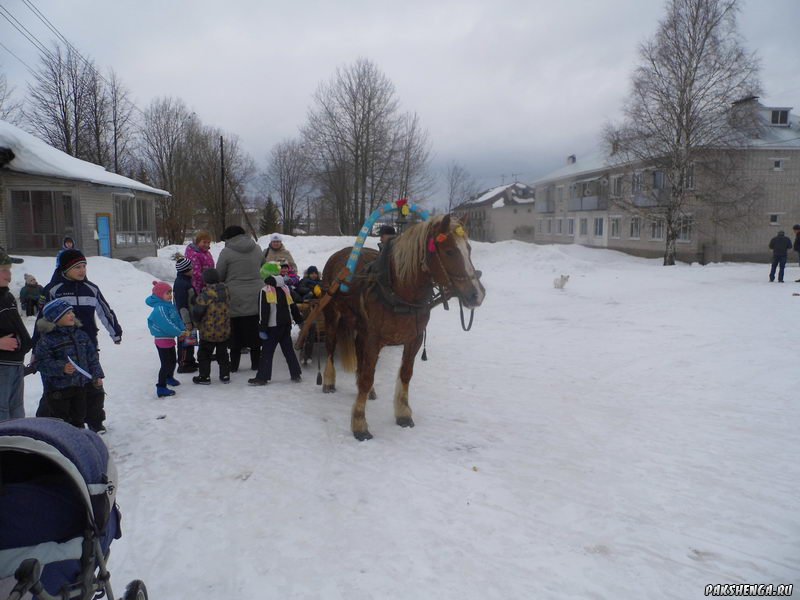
<point>584,226</point>
<point>560,193</point>
<point>658,180</point>
<point>777,164</point>
<point>780,117</point>
<point>657,229</point>
<point>636,226</point>
<point>614,224</point>
<point>684,227</point>
<point>773,219</point>
<point>598,227</point>
<point>688,178</point>
<point>41,219</point>
<point>559,224</point>
<point>549,225</point>
<point>541,226</point>
<point>133,221</point>
<point>570,226</point>
<point>636,182</point>
<point>616,186</point>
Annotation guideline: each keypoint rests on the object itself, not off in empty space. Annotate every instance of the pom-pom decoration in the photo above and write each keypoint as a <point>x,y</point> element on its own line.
<point>442,237</point>
<point>459,231</point>
<point>431,246</point>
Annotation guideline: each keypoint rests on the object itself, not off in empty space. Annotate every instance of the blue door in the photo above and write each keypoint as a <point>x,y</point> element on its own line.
<point>104,235</point>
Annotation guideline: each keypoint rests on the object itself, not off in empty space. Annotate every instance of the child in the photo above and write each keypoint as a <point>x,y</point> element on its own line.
<point>290,278</point>
<point>165,325</point>
<point>72,284</point>
<point>68,362</point>
<point>184,297</point>
<point>212,312</point>
<point>14,344</point>
<point>308,288</point>
<point>276,311</point>
<point>31,296</point>
<point>199,252</point>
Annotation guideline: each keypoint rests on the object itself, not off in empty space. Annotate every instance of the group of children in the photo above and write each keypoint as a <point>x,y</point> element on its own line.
<point>64,344</point>
<point>176,315</point>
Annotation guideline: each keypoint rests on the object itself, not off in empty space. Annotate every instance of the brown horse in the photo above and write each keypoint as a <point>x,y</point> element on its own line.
<point>389,302</point>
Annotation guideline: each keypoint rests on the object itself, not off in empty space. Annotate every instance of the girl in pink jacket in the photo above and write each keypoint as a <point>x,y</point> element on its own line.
<point>199,252</point>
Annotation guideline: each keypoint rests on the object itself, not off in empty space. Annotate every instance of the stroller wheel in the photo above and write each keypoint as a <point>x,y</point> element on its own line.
<point>135,591</point>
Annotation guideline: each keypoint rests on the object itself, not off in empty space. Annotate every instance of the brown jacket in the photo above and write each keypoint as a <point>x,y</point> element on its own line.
<point>212,311</point>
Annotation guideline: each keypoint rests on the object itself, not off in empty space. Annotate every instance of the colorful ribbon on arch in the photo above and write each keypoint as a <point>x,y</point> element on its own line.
<point>403,206</point>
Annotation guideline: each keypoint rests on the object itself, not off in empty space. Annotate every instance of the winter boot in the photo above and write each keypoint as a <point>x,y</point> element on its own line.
<point>200,380</point>
<point>257,381</point>
<point>163,391</point>
<point>171,381</point>
<point>225,378</point>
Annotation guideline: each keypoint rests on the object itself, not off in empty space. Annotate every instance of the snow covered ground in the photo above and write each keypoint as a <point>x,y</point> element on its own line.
<point>632,436</point>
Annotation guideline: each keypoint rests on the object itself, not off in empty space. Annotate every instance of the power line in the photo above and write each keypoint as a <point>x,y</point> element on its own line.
<point>6,14</point>
<point>49,24</point>
<point>27,66</point>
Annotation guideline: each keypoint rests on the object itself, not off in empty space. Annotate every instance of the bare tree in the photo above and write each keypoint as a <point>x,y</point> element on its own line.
<point>363,151</point>
<point>57,110</point>
<point>289,176</point>
<point>460,186</point>
<point>682,114</point>
<point>10,109</point>
<point>168,126</point>
<point>121,124</point>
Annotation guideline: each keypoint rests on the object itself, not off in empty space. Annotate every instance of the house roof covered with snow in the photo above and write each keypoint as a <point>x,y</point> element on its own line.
<point>35,157</point>
<point>503,195</point>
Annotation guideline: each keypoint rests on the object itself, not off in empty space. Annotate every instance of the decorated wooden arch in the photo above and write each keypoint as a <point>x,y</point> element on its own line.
<point>403,206</point>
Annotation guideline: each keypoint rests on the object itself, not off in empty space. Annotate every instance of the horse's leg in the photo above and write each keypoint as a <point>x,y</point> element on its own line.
<point>402,411</point>
<point>366,376</point>
<point>359,351</point>
<point>329,377</point>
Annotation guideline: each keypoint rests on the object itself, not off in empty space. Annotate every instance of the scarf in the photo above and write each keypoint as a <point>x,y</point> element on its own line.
<point>272,295</point>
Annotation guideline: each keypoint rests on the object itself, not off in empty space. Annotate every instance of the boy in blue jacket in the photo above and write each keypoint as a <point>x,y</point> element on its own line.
<point>67,359</point>
<point>165,324</point>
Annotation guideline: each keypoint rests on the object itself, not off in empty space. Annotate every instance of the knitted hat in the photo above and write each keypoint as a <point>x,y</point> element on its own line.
<point>270,269</point>
<point>183,264</point>
<point>5,259</point>
<point>55,309</point>
<point>211,276</point>
<point>161,288</point>
<point>70,258</point>
<point>232,231</point>
<point>275,237</point>
<point>312,269</point>
<point>30,279</point>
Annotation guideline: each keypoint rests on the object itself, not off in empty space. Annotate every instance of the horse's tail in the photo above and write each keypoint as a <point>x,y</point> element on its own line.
<point>346,345</point>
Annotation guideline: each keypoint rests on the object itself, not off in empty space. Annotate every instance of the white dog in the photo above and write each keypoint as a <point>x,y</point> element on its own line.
<point>560,282</point>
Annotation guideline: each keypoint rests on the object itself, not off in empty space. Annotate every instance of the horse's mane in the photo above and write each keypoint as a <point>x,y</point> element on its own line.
<point>410,248</point>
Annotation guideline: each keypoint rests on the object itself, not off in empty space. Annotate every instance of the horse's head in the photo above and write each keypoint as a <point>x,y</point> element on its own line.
<point>450,262</point>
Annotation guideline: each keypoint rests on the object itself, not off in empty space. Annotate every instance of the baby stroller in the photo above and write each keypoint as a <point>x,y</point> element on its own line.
<point>58,514</point>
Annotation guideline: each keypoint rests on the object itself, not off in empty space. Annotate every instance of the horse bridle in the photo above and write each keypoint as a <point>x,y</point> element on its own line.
<point>450,278</point>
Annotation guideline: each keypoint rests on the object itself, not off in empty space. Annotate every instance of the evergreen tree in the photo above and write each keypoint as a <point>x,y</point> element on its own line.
<point>270,218</point>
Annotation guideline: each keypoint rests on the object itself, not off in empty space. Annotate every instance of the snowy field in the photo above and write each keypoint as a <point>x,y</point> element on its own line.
<point>632,436</point>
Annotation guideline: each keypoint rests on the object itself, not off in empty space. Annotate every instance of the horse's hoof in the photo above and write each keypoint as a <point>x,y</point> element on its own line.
<point>327,388</point>
<point>362,435</point>
<point>372,395</point>
<point>405,421</point>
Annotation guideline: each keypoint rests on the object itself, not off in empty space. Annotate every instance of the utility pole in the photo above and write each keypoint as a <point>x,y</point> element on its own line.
<point>514,177</point>
<point>222,183</point>
<point>503,179</point>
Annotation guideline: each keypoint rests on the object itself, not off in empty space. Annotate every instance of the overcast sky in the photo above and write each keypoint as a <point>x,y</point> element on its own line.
<point>503,87</point>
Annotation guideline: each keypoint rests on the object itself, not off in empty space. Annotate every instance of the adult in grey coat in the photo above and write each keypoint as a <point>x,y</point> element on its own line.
<point>239,266</point>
